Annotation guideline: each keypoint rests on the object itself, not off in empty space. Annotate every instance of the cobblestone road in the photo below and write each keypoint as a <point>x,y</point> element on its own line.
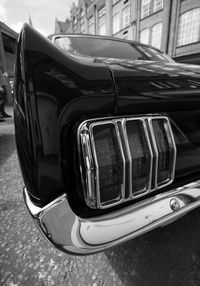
<point>167,256</point>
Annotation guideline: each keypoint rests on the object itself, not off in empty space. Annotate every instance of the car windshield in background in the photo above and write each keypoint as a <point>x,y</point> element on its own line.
<point>107,48</point>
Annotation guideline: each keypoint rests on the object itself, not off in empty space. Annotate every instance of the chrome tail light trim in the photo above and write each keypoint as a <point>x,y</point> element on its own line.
<point>86,145</point>
<point>173,151</point>
<point>148,189</point>
<point>89,168</point>
<point>91,127</point>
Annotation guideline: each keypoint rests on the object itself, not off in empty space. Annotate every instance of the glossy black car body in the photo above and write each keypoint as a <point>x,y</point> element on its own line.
<point>54,92</point>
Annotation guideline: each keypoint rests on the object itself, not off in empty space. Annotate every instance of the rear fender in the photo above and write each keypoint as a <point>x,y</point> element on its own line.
<point>53,90</point>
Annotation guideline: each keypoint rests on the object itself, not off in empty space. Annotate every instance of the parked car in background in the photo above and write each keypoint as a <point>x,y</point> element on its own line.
<point>108,138</point>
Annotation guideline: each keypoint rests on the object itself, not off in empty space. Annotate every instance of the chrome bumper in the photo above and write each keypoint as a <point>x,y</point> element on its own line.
<point>72,234</point>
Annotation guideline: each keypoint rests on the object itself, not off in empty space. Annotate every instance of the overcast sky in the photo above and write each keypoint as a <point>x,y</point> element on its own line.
<point>42,12</point>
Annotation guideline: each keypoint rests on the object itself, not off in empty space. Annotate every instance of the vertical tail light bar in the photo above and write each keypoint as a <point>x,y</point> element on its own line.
<point>141,156</point>
<point>110,163</point>
<point>165,150</point>
<point>125,158</point>
<point>89,171</point>
<point>105,172</point>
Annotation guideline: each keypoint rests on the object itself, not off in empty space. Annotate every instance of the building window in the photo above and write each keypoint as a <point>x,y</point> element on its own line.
<point>116,22</point>
<point>150,6</point>
<point>82,22</point>
<point>189,27</point>
<point>102,21</point>
<point>125,16</point>
<point>91,25</point>
<point>145,8</point>
<point>144,36</point>
<point>156,35</point>
<point>157,5</point>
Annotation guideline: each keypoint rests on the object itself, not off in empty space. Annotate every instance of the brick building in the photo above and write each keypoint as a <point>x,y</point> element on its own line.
<point>8,44</point>
<point>171,25</point>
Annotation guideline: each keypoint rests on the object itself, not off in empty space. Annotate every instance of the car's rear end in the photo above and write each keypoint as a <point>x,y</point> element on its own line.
<point>109,148</point>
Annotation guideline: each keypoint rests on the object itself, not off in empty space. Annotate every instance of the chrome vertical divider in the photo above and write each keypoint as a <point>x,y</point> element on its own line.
<point>123,122</point>
<point>89,167</point>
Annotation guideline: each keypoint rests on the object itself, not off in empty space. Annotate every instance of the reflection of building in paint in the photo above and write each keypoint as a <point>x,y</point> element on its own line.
<point>8,43</point>
<point>172,26</point>
<point>48,122</point>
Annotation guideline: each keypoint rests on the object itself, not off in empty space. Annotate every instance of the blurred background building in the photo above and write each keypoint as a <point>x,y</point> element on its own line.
<point>170,25</point>
<point>8,44</point>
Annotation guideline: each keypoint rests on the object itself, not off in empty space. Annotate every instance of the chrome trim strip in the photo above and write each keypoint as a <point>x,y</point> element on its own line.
<point>123,158</point>
<point>72,234</point>
<point>88,160</point>
<point>151,154</point>
<point>123,123</point>
<point>171,139</point>
<point>155,149</point>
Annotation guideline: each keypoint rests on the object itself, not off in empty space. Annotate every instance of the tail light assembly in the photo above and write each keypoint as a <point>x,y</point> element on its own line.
<point>122,159</point>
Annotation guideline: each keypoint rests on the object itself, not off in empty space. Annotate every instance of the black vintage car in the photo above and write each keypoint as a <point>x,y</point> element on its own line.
<point>108,138</point>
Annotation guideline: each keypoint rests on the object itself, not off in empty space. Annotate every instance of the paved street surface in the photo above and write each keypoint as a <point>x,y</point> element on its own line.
<point>166,256</point>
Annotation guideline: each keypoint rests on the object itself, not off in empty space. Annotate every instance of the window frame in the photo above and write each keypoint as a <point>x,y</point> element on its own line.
<point>178,30</point>
<point>91,25</point>
<point>82,21</point>
<point>124,25</point>
<point>151,38</point>
<point>142,9</point>
<point>151,8</point>
<point>101,16</point>
<point>114,14</point>
<point>149,32</point>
